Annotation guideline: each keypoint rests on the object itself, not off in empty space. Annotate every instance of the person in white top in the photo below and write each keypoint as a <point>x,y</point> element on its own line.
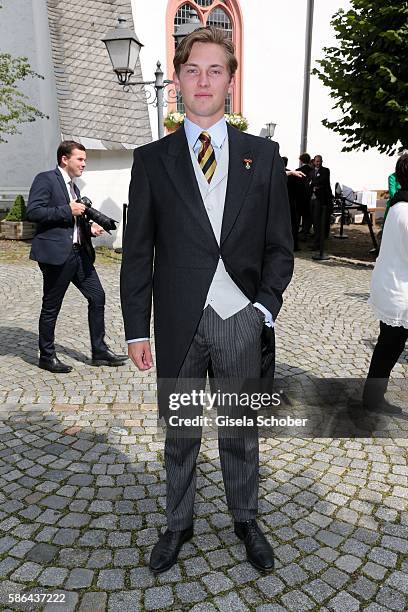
<point>389,297</point>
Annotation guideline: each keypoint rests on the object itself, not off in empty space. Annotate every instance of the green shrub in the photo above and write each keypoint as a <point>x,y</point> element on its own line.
<point>18,211</point>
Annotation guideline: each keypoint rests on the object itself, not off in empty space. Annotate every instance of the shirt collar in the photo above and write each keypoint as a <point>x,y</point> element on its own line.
<point>65,175</point>
<point>218,132</point>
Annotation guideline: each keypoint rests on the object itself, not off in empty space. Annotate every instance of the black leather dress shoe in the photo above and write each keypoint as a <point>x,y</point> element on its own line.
<point>259,551</point>
<point>382,407</point>
<point>54,365</point>
<point>108,358</point>
<point>165,553</point>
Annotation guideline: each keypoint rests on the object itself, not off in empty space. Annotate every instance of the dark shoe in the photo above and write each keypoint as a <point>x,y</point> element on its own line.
<point>382,407</point>
<point>259,551</point>
<point>108,358</point>
<point>165,552</point>
<point>54,365</point>
<point>373,397</point>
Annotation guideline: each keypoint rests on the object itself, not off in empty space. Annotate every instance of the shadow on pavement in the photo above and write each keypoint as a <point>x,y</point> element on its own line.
<point>24,344</point>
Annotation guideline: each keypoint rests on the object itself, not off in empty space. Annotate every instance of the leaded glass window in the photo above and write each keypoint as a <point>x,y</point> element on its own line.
<point>219,18</point>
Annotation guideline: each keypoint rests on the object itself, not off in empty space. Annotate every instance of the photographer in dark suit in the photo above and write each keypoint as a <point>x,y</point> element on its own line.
<point>63,249</point>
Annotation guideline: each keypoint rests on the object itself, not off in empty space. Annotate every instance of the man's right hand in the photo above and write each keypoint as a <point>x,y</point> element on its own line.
<point>77,208</point>
<point>141,354</point>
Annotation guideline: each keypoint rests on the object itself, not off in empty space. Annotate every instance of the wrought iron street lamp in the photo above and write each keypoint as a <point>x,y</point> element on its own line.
<point>123,47</point>
<point>270,129</point>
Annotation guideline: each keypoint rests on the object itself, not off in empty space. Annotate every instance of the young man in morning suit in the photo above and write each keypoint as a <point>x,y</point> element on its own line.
<point>210,204</point>
<point>63,249</point>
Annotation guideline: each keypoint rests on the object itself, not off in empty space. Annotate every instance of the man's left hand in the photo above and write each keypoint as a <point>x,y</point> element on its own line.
<point>96,230</point>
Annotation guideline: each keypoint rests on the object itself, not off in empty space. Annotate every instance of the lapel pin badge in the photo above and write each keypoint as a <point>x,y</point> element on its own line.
<point>248,164</point>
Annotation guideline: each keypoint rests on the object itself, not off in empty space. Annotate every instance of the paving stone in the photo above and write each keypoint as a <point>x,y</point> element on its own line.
<point>157,598</point>
<point>126,557</point>
<point>66,537</point>
<point>141,577</point>
<point>348,563</point>
<point>111,580</point>
<point>94,602</point>
<point>391,599</point>
<point>118,539</point>
<point>7,565</point>
<point>190,592</point>
<point>99,559</point>
<point>219,558</point>
<point>92,538</point>
<point>70,602</point>
<point>292,574</point>
<point>398,580</point>
<point>42,553</point>
<point>79,579</point>
<point>383,557</point>
<point>364,588</point>
<point>243,573</point>
<point>126,601</point>
<point>72,557</point>
<point>21,549</point>
<point>344,602</point>
<point>297,601</point>
<point>375,571</point>
<point>270,585</point>
<point>335,577</point>
<point>319,590</point>
<point>232,601</point>
<point>216,582</point>
<point>27,572</point>
<point>53,576</point>
<point>74,519</point>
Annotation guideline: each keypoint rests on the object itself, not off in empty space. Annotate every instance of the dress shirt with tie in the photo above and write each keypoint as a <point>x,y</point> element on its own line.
<point>218,133</point>
<point>69,184</point>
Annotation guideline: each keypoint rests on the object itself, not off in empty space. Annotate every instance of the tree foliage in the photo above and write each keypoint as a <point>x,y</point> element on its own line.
<point>14,106</point>
<point>367,73</point>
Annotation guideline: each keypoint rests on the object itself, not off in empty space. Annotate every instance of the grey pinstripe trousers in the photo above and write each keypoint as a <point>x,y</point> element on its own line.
<point>233,346</point>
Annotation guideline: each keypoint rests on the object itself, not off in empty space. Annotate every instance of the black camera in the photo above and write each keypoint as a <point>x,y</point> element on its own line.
<point>104,221</point>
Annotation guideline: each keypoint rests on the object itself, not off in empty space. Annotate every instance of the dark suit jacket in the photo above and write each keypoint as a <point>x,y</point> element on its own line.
<point>320,184</point>
<point>168,224</point>
<point>48,206</point>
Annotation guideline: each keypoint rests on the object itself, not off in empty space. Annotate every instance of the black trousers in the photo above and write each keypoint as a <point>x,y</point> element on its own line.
<point>390,344</point>
<point>79,270</point>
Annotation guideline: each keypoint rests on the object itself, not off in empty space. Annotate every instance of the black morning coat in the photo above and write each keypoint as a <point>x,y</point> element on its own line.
<point>48,206</point>
<point>170,248</point>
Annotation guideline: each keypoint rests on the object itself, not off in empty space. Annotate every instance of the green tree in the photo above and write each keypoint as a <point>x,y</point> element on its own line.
<point>367,73</point>
<point>14,106</point>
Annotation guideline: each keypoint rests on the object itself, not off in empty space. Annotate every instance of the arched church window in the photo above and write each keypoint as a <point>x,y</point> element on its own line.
<point>223,14</point>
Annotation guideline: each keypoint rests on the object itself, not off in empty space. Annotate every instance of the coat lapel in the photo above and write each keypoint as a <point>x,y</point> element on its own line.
<point>239,179</point>
<point>178,164</point>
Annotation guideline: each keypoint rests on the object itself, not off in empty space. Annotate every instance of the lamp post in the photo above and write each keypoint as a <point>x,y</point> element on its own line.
<point>270,129</point>
<point>306,77</point>
<point>123,47</point>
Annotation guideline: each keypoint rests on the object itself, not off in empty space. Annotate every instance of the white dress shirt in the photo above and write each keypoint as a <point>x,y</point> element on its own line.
<point>218,134</point>
<point>68,180</point>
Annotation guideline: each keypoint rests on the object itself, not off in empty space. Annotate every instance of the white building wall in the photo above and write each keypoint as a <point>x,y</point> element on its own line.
<point>150,26</point>
<point>106,183</point>
<point>26,33</point>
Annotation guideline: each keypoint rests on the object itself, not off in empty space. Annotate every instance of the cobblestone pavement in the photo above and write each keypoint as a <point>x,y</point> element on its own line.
<point>82,481</point>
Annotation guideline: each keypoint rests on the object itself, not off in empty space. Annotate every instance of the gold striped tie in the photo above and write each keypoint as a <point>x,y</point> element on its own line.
<point>206,156</point>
